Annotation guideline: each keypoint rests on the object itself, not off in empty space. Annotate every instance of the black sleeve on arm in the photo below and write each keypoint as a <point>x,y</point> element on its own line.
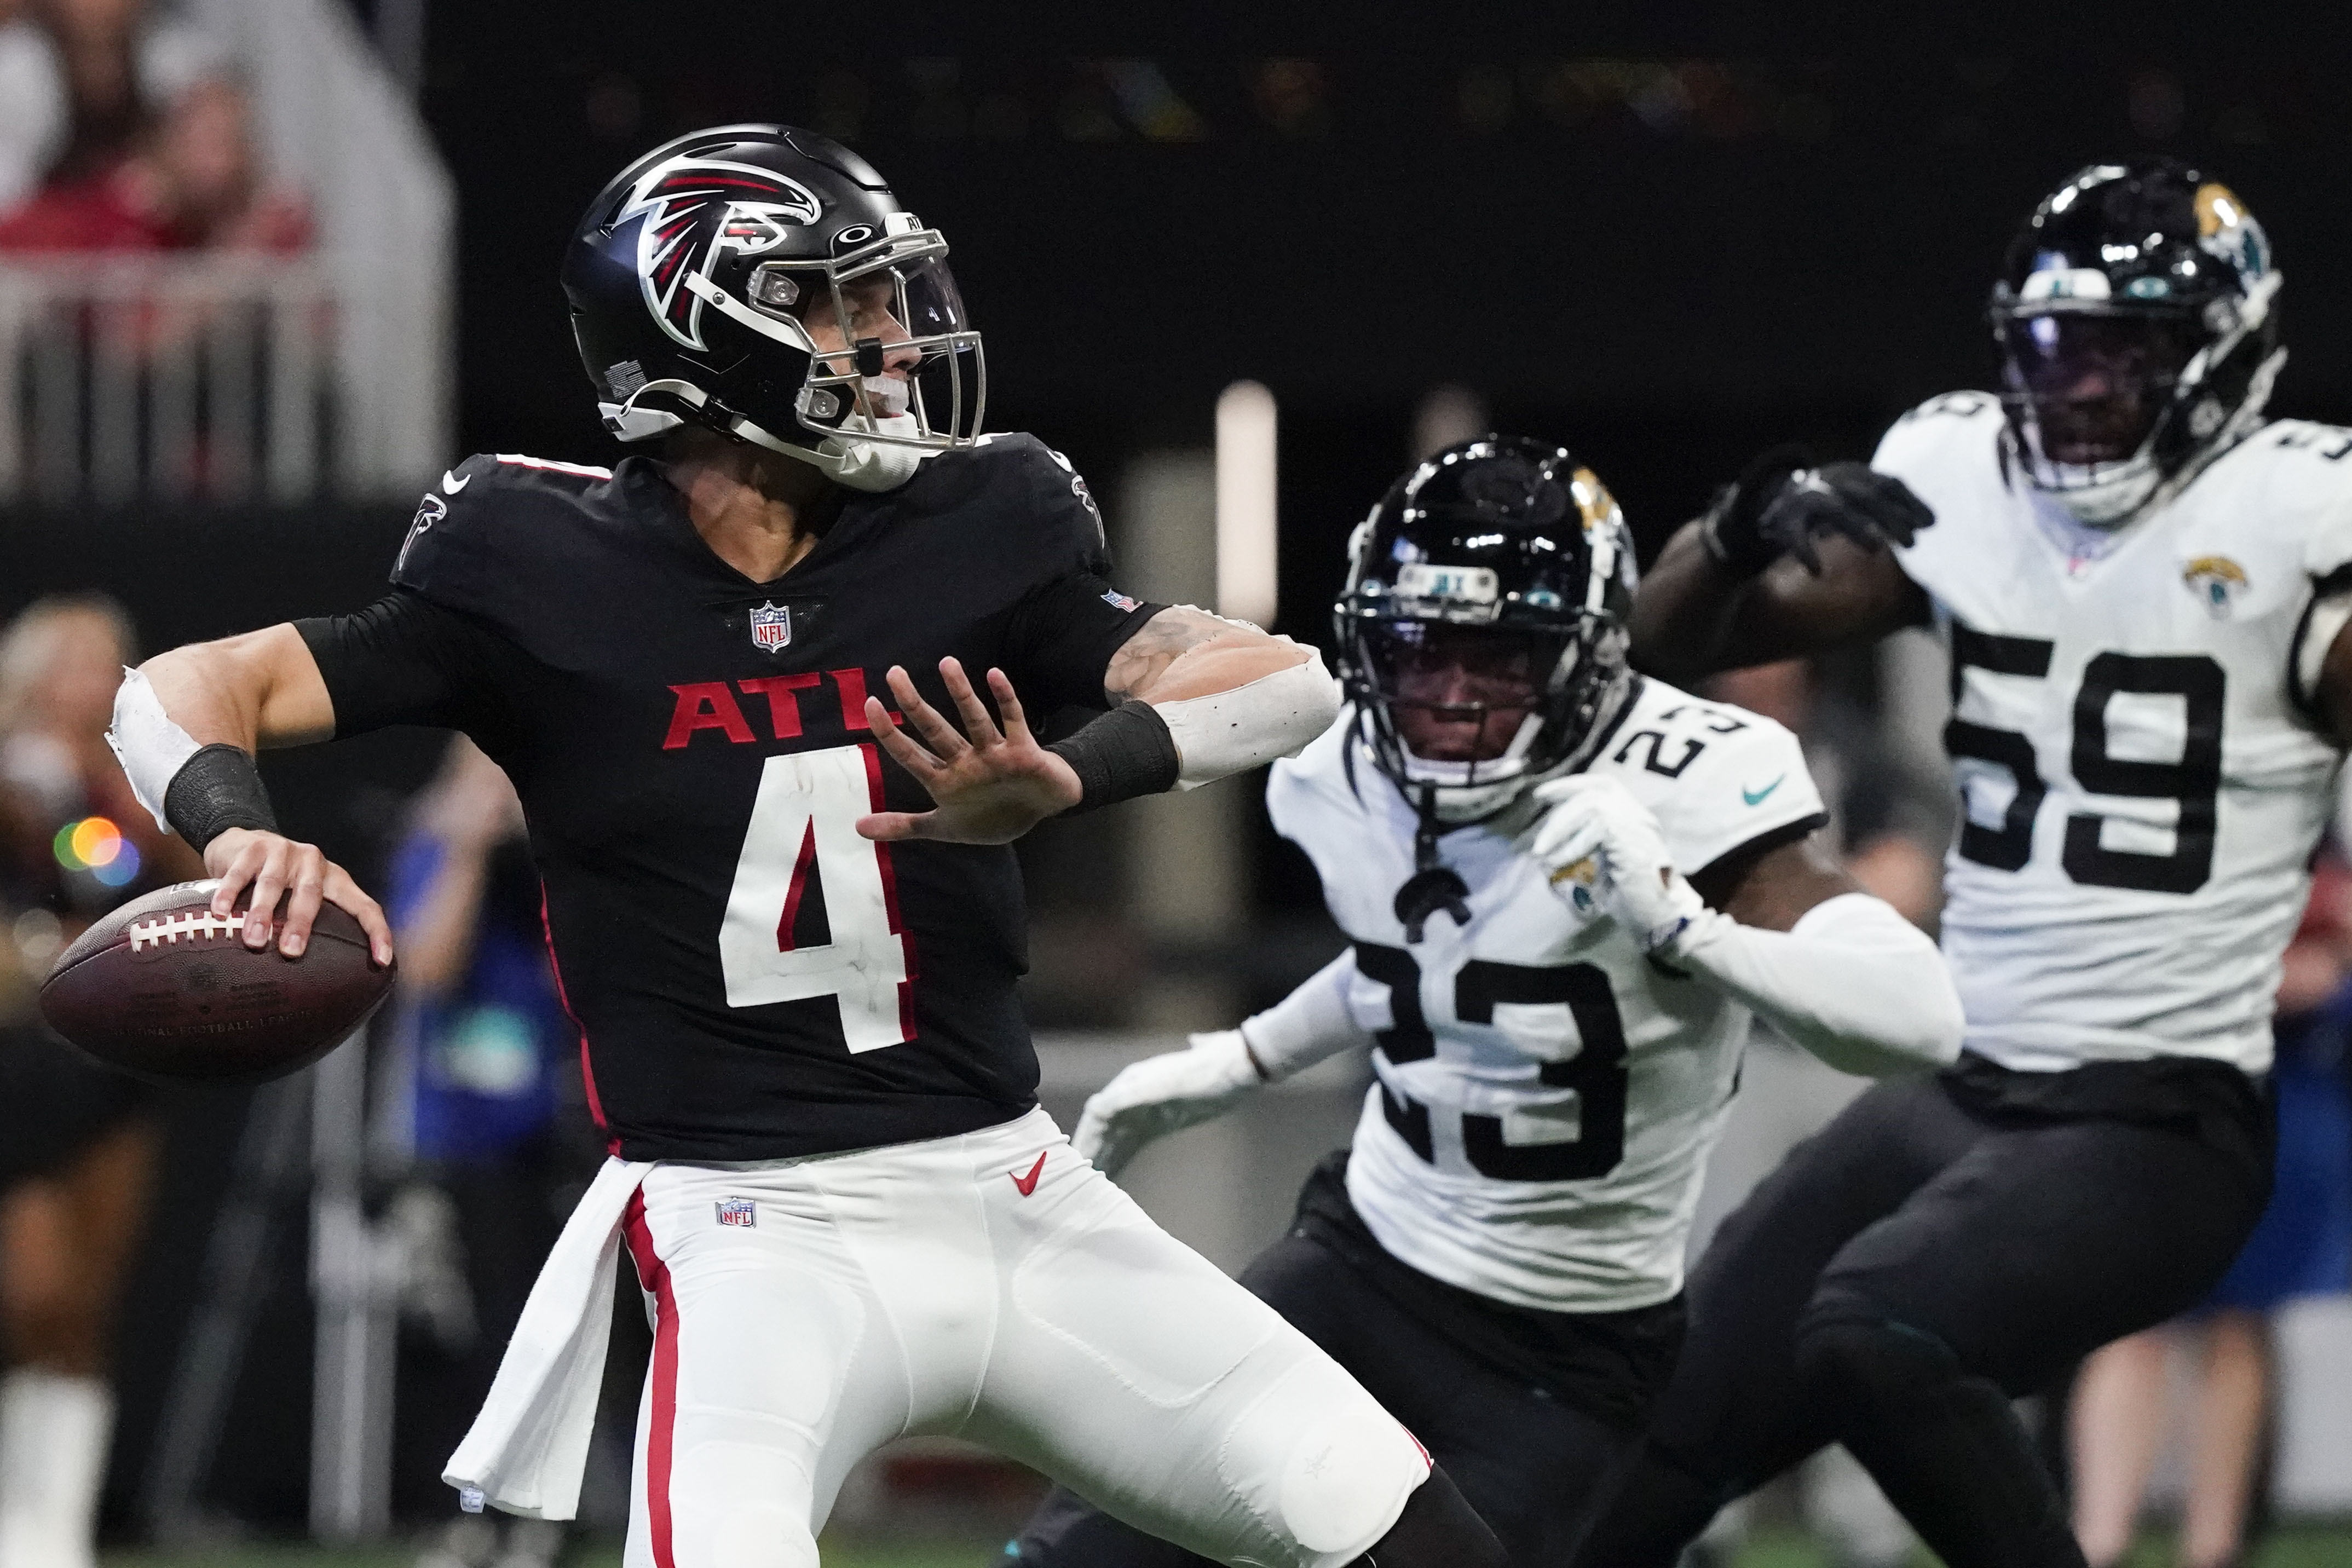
<point>407,660</point>
<point>1062,636</point>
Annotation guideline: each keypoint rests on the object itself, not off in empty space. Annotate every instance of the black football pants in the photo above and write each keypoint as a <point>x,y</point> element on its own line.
<point>1894,1283</point>
<point>1531,1466</point>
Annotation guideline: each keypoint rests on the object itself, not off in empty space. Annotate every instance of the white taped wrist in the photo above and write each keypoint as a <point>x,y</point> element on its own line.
<point>1852,981</point>
<point>1311,1023</point>
<point>1232,732</point>
<point>150,746</point>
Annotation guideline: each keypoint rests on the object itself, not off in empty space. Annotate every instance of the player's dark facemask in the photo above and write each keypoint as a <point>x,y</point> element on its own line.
<point>2090,388</point>
<point>1461,704</point>
<point>2086,397</point>
<point>1482,636</point>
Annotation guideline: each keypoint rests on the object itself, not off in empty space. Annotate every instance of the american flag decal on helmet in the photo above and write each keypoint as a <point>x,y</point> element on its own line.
<point>696,210</point>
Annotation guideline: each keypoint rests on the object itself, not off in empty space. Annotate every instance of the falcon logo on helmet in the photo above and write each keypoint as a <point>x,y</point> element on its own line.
<point>703,277</point>
<point>696,211</point>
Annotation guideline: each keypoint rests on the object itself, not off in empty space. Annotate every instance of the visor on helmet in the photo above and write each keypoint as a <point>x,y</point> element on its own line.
<point>1459,693</point>
<point>1469,712</point>
<point>2092,387</point>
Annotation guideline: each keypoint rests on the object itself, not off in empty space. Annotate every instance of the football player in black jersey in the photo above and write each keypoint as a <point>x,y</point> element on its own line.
<point>789,931</point>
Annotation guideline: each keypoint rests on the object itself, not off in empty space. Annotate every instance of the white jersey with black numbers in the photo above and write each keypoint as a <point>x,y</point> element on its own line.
<point>2141,780</point>
<point>1546,1096</point>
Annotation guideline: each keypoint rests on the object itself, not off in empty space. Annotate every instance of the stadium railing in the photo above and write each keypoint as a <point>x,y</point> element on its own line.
<point>226,378</point>
<point>173,378</point>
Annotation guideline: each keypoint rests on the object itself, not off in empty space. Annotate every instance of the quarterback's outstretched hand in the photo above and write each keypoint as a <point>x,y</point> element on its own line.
<point>1164,1094</point>
<point>1597,838</point>
<point>1783,505</point>
<point>990,787</point>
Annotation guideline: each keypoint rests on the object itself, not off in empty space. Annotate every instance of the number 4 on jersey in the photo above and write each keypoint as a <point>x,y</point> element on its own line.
<point>805,829</point>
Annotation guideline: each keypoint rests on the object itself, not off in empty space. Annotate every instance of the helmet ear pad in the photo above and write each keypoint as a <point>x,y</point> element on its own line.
<point>745,384</point>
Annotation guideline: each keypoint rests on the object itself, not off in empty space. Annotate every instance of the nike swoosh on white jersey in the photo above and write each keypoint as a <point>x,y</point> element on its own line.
<point>451,483</point>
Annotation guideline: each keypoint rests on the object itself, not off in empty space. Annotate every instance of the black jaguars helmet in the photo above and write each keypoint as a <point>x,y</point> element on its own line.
<point>1507,562</point>
<point>2136,320</point>
<point>762,282</point>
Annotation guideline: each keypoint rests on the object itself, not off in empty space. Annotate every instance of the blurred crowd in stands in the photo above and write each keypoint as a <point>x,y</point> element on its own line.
<point>123,128</point>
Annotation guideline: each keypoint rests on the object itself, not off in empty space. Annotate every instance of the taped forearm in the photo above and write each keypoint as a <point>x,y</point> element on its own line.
<point>195,790</point>
<point>1142,747</point>
<point>1310,1024</point>
<point>1230,732</point>
<point>1852,981</point>
<point>150,745</point>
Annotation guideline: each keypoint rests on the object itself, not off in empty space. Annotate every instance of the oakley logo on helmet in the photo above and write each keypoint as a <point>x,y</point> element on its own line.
<point>696,211</point>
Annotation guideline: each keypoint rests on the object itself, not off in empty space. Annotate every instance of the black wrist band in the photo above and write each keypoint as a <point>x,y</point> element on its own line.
<point>1126,753</point>
<point>216,790</point>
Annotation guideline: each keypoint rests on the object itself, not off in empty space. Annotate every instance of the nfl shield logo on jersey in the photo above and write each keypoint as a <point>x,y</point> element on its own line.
<point>741,1213</point>
<point>771,626</point>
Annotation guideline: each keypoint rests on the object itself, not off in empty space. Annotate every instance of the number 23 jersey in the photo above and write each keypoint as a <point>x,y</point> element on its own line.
<point>1545,1095</point>
<point>2141,780</point>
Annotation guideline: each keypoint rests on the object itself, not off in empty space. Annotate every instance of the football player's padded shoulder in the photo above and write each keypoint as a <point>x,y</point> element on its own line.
<point>2303,486</point>
<point>1942,449</point>
<point>489,524</point>
<point>1962,426</point>
<point>1718,778</point>
<point>1067,528</point>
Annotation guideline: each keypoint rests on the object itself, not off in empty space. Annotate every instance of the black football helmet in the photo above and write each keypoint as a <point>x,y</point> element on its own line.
<point>1509,552</point>
<point>704,276</point>
<point>2137,321</point>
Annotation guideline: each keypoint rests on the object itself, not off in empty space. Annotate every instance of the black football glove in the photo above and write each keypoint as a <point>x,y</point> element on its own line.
<point>1782,504</point>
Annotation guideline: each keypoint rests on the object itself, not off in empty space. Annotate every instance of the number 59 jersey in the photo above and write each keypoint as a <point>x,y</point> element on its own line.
<point>2142,780</point>
<point>1545,1095</point>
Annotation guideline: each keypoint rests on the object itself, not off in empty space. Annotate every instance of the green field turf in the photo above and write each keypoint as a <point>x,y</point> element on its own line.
<point>2301,1547</point>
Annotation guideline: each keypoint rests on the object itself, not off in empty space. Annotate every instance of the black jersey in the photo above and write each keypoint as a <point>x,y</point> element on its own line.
<point>752,979</point>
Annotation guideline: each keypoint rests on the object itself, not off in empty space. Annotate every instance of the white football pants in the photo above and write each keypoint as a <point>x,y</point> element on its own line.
<point>993,1286</point>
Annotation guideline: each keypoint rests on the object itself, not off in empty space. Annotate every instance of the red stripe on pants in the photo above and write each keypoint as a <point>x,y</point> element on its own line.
<point>662,1417</point>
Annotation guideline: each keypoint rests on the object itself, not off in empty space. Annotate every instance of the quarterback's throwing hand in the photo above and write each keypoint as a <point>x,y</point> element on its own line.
<point>274,866</point>
<point>989,786</point>
<point>1164,1094</point>
<point>1599,837</point>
